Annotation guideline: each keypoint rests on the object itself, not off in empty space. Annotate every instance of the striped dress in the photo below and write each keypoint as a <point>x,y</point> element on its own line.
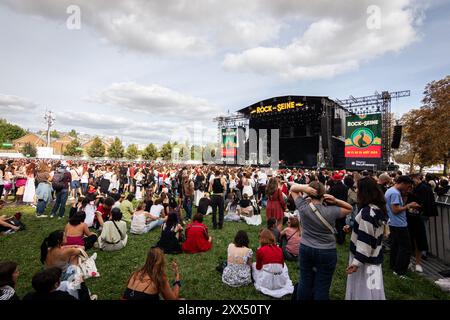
<point>366,252</point>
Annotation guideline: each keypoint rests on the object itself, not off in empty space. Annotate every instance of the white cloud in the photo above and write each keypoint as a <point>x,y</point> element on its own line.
<point>10,104</point>
<point>156,100</point>
<point>295,39</point>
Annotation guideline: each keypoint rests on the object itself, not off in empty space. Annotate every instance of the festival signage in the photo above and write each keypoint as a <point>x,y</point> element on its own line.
<point>229,142</point>
<point>276,108</point>
<point>363,141</point>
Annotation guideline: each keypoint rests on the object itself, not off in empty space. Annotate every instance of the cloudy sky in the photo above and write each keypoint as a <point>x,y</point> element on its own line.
<point>149,70</point>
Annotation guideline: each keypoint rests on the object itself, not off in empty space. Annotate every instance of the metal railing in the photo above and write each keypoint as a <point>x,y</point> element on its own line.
<point>438,230</point>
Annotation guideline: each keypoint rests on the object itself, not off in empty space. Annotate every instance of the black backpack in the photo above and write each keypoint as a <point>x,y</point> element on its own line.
<point>58,182</point>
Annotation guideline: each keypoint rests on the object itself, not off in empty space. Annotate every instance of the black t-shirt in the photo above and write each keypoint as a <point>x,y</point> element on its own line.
<point>203,205</point>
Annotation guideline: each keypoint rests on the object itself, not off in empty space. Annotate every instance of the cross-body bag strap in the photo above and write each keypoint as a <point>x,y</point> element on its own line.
<point>322,219</point>
<point>117,229</point>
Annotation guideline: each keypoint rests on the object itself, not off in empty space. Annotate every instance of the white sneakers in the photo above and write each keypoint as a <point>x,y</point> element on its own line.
<point>444,284</point>
<point>42,216</point>
<point>419,268</point>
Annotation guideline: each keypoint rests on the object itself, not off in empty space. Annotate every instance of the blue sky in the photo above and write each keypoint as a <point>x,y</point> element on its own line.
<point>144,69</point>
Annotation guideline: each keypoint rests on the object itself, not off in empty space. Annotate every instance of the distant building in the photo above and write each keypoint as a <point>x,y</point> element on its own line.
<point>60,144</point>
<point>33,138</point>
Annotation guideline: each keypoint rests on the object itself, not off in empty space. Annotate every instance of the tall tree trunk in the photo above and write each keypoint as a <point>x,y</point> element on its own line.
<point>445,166</point>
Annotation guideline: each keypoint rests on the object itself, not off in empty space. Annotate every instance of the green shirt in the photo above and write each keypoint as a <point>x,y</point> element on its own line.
<point>126,207</point>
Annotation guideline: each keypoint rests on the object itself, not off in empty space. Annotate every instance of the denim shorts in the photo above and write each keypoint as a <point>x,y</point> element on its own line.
<point>75,184</point>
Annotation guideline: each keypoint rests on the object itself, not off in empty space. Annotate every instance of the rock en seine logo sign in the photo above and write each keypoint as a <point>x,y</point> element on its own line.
<point>277,108</point>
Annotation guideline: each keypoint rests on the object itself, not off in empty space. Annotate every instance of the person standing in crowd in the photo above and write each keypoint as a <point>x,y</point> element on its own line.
<point>262,183</point>
<point>199,186</point>
<point>43,196</point>
<point>443,188</point>
<point>365,275</point>
<point>276,206</point>
<point>9,272</point>
<point>238,271</point>
<point>398,225</point>
<point>60,184</point>
<point>30,187</point>
<point>151,281</point>
<point>318,245</point>
<point>75,185</point>
<point>384,181</point>
<point>416,218</point>
<point>188,196</point>
<point>217,188</point>
<point>2,174</point>
<point>340,192</point>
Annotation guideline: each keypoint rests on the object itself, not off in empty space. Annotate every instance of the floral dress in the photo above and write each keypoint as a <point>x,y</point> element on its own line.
<point>237,273</point>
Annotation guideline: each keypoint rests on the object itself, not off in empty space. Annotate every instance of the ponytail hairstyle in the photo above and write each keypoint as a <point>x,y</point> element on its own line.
<point>55,239</point>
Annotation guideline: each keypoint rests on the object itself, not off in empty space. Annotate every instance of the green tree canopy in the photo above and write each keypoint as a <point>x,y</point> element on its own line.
<point>150,152</point>
<point>55,134</point>
<point>73,133</point>
<point>132,152</point>
<point>166,151</point>
<point>73,149</point>
<point>10,132</point>
<point>97,149</point>
<point>29,150</point>
<point>116,150</point>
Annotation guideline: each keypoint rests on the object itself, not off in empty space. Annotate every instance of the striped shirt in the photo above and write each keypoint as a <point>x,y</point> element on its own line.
<point>367,236</point>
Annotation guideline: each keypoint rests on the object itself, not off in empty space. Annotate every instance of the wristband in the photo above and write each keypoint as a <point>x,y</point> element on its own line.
<point>178,282</point>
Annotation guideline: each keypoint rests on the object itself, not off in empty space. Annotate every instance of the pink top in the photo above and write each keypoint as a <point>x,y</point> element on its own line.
<point>74,241</point>
<point>293,244</point>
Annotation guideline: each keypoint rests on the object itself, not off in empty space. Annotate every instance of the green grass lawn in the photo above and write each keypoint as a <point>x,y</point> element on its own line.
<point>198,273</point>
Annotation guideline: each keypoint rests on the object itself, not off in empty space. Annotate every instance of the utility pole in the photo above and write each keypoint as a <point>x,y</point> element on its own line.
<point>50,120</point>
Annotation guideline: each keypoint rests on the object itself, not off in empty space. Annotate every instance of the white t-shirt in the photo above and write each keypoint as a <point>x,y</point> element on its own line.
<point>156,210</point>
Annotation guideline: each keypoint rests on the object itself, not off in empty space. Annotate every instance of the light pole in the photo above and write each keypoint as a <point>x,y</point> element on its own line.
<point>50,120</point>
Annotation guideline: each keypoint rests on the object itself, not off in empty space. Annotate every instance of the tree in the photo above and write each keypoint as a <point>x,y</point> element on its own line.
<point>54,134</point>
<point>196,152</point>
<point>96,149</point>
<point>29,150</point>
<point>116,150</point>
<point>150,152</point>
<point>436,119</point>
<point>166,151</point>
<point>73,133</point>
<point>132,152</point>
<point>73,149</point>
<point>10,132</point>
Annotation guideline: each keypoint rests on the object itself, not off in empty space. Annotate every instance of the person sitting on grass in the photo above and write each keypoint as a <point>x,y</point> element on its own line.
<point>9,272</point>
<point>231,209</point>
<point>197,238</point>
<point>291,239</point>
<point>114,232</point>
<point>127,208</point>
<point>273,227</point>
<point>151,281</point>
<point>170,241</point>
<point>204,204</point>
<point>53,254</point>
<point>46,284</point>
<point>139,220</point>
<point>245,207</point>
<point>157,215</point>
<point>238,271</point>
<point>105,210</point>
<point>270,272</point>
<point>77,233</point>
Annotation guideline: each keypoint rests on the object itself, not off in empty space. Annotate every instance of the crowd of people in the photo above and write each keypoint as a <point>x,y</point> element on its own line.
<point>308,214</point>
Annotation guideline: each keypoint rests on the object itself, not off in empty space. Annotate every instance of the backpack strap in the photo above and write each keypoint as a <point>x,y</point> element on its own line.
<point>322,219</point>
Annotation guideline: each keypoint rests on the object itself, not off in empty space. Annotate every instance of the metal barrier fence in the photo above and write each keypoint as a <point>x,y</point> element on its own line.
<point>438,230</point>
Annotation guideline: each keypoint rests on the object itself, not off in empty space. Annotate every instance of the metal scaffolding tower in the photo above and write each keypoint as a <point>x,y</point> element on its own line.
<point>377,103</point>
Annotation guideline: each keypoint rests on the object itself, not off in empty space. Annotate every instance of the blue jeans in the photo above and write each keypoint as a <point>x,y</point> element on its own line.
<point>316,273</point>
<point>187,206</point>
<point>61,199</point>
<point>40,207</point>
<point>154,224</point>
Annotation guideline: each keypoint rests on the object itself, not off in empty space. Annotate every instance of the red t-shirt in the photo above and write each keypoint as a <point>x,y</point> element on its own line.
<point>269,253</point>
<point>105,212</point>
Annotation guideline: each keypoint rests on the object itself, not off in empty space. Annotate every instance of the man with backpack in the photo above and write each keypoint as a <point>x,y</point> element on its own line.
<point>60,184</point>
